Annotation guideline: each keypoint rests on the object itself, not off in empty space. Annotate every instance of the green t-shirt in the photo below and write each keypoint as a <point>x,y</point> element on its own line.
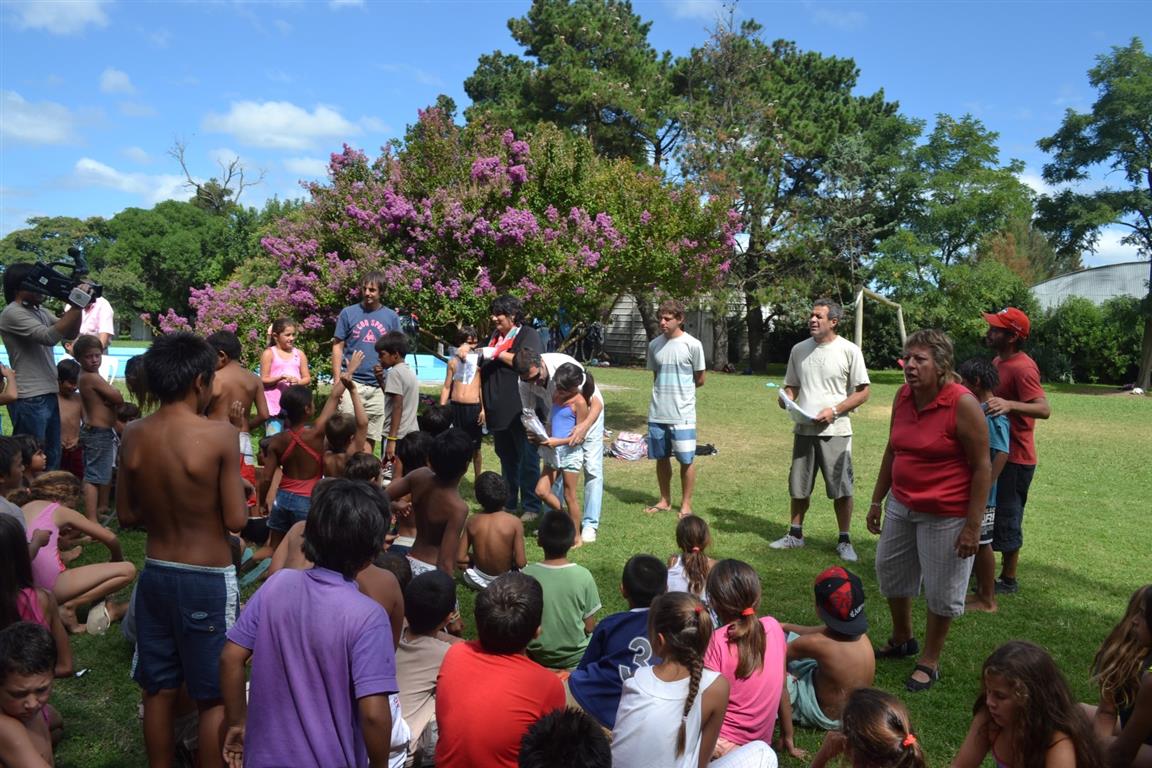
<point>570,597</point>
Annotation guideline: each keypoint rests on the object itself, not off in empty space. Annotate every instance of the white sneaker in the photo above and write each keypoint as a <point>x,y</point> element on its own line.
<point>846,552</point>
<point>528,517</point>
<point>588,534</point>
<point>787,541</point>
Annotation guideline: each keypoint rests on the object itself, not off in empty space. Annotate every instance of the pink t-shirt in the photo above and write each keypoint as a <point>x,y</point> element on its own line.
<point>753,701</point>
<point>97,318</point>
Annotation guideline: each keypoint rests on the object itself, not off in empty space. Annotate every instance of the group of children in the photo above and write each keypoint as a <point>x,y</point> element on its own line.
<point>352,640</point>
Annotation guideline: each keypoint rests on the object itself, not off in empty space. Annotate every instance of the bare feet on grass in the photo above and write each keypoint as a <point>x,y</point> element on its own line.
<point>974,602</point>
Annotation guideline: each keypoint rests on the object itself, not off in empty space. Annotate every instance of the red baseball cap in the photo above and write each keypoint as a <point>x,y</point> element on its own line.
<point>1010,319</point>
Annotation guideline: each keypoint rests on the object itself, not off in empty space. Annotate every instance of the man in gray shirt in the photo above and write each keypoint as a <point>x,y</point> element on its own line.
<point>29,333</point>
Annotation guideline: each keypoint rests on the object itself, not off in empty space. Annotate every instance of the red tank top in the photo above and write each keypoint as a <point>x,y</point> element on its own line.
<point>930,471</point>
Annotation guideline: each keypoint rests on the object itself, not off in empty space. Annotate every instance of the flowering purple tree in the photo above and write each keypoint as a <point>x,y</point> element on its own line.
<point>454,215</point>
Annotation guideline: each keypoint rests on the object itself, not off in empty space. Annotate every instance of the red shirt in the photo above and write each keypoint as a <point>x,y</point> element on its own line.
<point>1020,381</point>
<point>930,471</point>
<point>484,704</point>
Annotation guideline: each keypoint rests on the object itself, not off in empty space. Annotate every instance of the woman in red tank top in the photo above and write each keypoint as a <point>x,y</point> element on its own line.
<point>935,474</point>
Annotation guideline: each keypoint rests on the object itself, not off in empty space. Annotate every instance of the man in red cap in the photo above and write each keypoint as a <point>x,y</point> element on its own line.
<point>1021,398</point>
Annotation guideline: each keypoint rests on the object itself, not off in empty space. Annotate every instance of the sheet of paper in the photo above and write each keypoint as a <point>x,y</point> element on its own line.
<point>466,368</point>
<point>798,414</point>
<point>532,424</point>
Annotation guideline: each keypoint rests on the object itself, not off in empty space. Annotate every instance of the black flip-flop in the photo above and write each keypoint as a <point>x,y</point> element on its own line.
<point>894,650</point>
<point>915,686</point>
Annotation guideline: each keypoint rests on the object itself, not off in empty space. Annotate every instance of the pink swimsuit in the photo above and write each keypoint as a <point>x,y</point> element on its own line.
<point>47,566</point>
<point>29,608</point>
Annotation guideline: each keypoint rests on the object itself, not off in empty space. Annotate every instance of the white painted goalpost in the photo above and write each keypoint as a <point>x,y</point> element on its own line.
<point>859,335</point>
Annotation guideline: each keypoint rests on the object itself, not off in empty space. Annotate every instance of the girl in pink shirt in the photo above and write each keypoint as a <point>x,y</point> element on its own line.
<point>751,653</point>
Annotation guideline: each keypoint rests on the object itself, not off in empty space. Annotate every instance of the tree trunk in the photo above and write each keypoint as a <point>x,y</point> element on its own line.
<point>720,338</point>
<point>1144,377</point>
<point>754,321</point>
<point>647,315</point>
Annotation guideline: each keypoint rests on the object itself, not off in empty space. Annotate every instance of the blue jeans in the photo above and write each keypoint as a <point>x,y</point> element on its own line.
<point>593,460</point>
<point>520,466</point>
<point>39,416</point>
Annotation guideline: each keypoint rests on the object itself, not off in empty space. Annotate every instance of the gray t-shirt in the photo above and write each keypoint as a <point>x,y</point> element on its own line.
<point>402,381</point>
<point>10,509</point>
<point>29,338</point>
<point>823,375</point>
<point>675,362</point>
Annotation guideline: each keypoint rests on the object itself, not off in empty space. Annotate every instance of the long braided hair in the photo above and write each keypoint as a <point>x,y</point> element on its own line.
<point>685,626</point>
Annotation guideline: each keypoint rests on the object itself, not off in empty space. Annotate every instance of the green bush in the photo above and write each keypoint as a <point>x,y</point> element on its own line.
<point>1082,342</point>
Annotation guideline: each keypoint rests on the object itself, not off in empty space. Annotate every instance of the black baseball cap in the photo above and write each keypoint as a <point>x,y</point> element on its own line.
<point>840,601</point>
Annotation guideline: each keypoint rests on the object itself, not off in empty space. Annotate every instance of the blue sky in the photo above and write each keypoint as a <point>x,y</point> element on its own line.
<point>93,93</point>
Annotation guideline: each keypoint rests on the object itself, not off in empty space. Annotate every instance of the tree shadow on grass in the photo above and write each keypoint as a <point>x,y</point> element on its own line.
<point>623,416</point>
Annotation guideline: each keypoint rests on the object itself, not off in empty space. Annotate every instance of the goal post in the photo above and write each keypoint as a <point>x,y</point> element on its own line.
<point>861,294</point>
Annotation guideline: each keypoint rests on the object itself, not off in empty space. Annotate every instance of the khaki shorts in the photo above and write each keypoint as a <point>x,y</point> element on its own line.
<point>374,401</point>
<point>831,455</point>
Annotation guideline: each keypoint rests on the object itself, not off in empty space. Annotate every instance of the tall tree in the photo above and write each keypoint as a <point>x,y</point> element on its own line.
<point>1117,132</point>
<point>592,69</point>
<point>760,123</point>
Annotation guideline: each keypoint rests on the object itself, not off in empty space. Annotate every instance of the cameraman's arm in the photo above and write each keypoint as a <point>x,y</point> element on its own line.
<point>68,326</point>
<point>29,325</point>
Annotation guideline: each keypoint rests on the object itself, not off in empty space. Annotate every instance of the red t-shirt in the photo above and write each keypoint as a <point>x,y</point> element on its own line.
<point>930,471</point>
<point>1020,381</point>
<point>484,704</point>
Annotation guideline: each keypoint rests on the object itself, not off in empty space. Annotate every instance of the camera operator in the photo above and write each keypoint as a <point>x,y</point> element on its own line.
<point>29,333</point>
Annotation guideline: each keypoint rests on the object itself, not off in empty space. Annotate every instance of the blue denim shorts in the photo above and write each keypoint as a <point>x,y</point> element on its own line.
<point>287,510</point>
<point>183,613</point>
<point>99,444</point>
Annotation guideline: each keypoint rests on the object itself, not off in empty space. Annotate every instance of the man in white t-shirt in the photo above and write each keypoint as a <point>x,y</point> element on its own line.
<point>826,377</point>
<point>676,360</point>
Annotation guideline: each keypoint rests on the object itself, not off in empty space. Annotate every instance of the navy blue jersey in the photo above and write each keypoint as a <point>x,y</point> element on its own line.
<point>619,645</point>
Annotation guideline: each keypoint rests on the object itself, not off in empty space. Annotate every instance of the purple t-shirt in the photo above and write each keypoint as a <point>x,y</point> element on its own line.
<point>317,646</point>
<point>359,330</point>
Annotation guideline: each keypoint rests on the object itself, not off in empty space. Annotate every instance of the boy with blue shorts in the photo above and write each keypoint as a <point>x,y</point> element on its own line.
<point>97,432</point>
<point>180,479</point>
<point>676,360</point>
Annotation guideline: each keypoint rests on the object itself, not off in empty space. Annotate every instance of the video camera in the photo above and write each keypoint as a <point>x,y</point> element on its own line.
<point>44,278</point>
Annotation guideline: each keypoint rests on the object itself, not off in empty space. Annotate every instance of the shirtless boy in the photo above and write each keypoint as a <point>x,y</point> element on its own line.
<point>71,414</point>
<point>180,479</point>
<point>235,389</point>
<point>436,506</point>
<point>495,536</point>
<point>27,658</point>
<point>461,391</point>
<point>98,432</point>
<point>833,659</point>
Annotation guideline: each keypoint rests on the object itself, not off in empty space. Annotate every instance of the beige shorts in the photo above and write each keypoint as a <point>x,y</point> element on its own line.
<point>374,403</point>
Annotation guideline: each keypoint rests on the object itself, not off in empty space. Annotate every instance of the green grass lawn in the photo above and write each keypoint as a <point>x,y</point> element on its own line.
<point>1087,548</point>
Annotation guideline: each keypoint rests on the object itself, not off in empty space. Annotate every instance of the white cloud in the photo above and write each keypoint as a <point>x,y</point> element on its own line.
<point>709,10</point>
<point>280,124</point>
<point>114,80</point>
<point>313,167</point>
<point>337,4</point>
<point>1037,183</point>
<point>152,188</point>
<point>136,155</point>
<point>44,122</point>
<point>1109,249</point>
<point>845,20</point>
<point>223,156</point>
<point>59,18</point>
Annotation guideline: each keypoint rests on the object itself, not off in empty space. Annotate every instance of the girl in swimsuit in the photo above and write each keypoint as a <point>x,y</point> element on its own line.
<point>299,452</point>
<point>1026,715</point>
<point>1123,670</point>
<point>281,366</point>
<point>47,505</point>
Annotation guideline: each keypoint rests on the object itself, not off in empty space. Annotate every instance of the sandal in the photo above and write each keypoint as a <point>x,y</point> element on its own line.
<point>915,686</point>
<point>652,509</point>
<point>894,650</point>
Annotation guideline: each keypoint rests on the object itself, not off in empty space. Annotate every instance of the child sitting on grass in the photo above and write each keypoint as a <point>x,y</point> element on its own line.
<point>839,648</point>
<point>688,571</point>
<point>495,537</point>
<point>323,667</point>
<point>565,738</point>
<point>619,643</point>
<point>876,733</point>
<point>27,658</point>
<point>21,599</point>
<point>570,597</point>
<point>489,693</point>
<point>429,601</point>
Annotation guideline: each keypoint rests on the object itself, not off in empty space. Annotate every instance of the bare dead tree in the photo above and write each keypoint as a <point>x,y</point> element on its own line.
<point>217,193</point>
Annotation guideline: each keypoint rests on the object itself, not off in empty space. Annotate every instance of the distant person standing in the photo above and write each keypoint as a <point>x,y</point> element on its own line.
<point>676,359</point>
<point>359,327</point>
<point>827,378</point>
<point>29,333</point>
<point>99,320</point>
<point>1021,398</point>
